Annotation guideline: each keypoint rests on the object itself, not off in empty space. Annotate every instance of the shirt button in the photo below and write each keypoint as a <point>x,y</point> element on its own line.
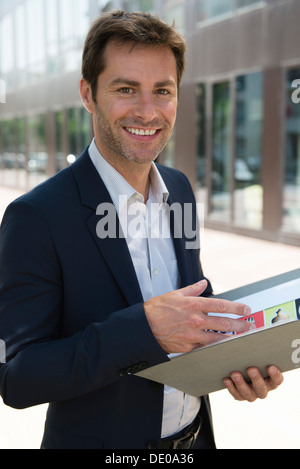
<point>156,272</point>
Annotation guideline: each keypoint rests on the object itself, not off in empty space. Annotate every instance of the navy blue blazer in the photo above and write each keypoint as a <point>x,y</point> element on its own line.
<point>72,316</point>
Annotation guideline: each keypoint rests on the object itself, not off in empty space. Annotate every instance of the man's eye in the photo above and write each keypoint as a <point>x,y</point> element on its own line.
<point>125,90</point>
<point>163,92</point>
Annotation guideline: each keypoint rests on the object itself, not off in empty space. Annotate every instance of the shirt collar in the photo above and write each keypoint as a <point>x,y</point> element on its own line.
<point>117,185</point>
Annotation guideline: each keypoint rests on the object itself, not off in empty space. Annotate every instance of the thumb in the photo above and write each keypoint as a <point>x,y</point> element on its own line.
<point>193,290</point>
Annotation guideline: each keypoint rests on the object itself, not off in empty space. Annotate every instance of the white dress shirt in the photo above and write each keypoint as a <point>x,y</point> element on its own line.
<point>154,261</point>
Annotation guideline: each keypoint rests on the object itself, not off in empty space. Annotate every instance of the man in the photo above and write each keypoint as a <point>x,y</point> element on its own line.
<point>83,307</point>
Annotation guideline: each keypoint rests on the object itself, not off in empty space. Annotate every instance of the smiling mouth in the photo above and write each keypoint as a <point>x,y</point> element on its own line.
<point>142,132</point>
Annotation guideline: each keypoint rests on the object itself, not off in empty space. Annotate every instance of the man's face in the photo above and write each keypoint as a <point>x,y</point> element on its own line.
<point>136,102</point>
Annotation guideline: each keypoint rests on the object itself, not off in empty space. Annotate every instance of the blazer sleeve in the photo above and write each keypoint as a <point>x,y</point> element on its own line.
<point>41,366</point>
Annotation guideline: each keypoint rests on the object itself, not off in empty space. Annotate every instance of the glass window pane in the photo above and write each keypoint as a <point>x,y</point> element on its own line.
<point>9,162</point>
<point>35,15</point>
<point>20,37</point>
<point>83,21</point>
<point>219,7</point>
<point>52,34</point>
<point>291,191</point>
<point>60,160</point>
<point>85,128</point>
<point>176,14</point>
<point>21,156</point>
<point>200,10</point>
<point>169,152</point>
<point>201,144</point>
<point>38,156</point>
<point>7,45</point>
<point>248,192</point>
<point>73,130</point>
<point>67,17</point>
<point>246,3</point>
<point>221,167</point>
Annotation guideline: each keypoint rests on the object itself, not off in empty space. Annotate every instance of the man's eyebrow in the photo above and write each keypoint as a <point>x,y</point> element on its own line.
<point>128,82</point>
<point>165,84</point>
<point>124,81</point>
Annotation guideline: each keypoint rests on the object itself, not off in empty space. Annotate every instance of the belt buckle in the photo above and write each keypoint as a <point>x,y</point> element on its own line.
<point>187,441</point>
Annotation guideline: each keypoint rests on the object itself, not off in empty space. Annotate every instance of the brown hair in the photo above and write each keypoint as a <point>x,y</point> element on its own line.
<point>139,28</point>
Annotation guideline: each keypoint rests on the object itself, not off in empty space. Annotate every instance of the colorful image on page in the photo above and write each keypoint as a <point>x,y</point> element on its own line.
<point>256,318</point>
<point>280,313</point>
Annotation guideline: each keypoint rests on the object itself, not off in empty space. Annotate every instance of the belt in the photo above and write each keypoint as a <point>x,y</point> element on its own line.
<point>186,441</point>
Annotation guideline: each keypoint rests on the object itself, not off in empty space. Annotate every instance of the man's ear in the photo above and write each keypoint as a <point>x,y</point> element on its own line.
<point>86,95</point>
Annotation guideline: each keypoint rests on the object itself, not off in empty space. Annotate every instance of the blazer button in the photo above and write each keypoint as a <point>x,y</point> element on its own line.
<point>143,365</point>
<point>130,370</point>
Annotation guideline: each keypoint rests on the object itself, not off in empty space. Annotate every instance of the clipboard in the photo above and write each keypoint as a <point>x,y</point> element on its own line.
<point>273,342</point>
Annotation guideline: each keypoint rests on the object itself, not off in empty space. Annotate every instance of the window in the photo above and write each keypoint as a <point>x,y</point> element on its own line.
<point>7,50</point>
<point>52,36</point>
<point>85,128</point>
<point>73,130</point>
<point>247,3</point>
<point>169,152</point>
<point>36,39</point>
<point>13,161</point>
<point>221,153</point>
<point>38,155</point>
<point>291,189</point>
<point>175,14</point>
<point>60,161</point>
<point>220,9</point>
<point>20,37</point>
<point>248,193</point>
<point>74,23</point>
<point>9,153</point>
<point>21,153</point>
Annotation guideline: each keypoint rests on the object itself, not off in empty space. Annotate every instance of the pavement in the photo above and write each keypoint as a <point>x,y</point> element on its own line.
<point>229,261</point>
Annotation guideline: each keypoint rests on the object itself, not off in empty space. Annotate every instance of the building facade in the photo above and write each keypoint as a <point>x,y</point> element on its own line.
<point>237,135</point>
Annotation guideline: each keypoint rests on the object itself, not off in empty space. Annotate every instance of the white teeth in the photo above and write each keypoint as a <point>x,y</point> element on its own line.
<point>140,131</point>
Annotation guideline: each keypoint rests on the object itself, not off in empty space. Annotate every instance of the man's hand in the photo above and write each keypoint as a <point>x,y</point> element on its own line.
<point>180,323</point>
<point>258,388</point>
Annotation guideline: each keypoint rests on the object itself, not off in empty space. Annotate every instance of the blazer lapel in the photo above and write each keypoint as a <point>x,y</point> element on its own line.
<point>180,246</point>
<point>181,243</point>
<point>113,249</point>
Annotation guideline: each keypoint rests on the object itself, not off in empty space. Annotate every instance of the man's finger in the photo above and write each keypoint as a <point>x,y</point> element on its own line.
<point>213,305</point>
<point>220,306</point>
<point>193,290</point>
<point>225,324</point>
<point>239,388</point>
<point>258,388</point>
<point>275,377</point>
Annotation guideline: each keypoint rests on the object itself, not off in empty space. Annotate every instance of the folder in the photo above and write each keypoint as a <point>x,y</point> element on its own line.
<point>275,304</point>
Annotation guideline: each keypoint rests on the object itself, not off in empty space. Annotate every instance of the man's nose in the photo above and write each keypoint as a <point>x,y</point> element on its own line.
<point>145,107</point>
